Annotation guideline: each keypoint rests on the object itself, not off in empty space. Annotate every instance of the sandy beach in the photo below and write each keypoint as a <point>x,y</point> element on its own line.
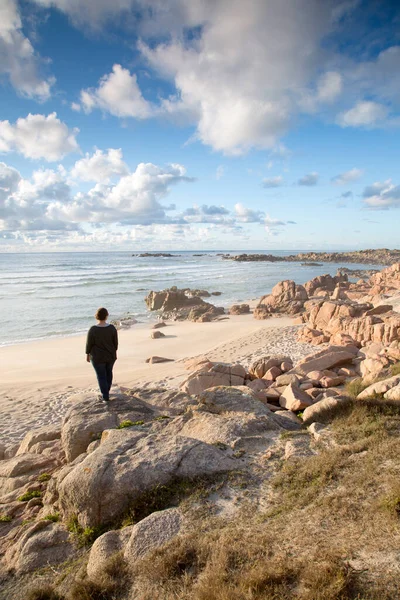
<point>38,378</point>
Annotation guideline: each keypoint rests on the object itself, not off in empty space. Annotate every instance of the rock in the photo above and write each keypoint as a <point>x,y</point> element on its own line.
<point>308,335</point>
<point>333,356</point>
<point>328,382</point>
<point>11,450</point>
<point>2,451</point>
<point>18,471</point>
<point>104,548</point>
<point>393,394</point>
<point>239,309</point>
<point>259,367</point>
<point>288,420</point>
<point>155,335</point>
<point>222,399</point>
<point>288,378</point>
<point>158,359</point>
<point>324,282</point>
<point>286,366</point>
<point>294,399</point>
<point>219,375</point>
<point>152,532</point>
<point>323,410</point>
<point>286,297</point>
<point>343,339</point>
<point>298,447</point>
<point>198,364</point>
<point>159,325</point>
<point>89,417</point>
<point>272,394</point>
<point>272,374</point>
<point>379,388</point>
<point>44,434</point>
<point>258,385</point>
<point>39,545</point>
<point>109,480</point>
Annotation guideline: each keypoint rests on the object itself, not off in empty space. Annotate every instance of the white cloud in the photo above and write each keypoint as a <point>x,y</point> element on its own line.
<point>309,180</point>
<point>382,195</point>
<point>348,177</point>
<point>17,57</point>
<point>272,226</point>
<point>76,106</point>
<point>118,93</point>
<point>206,214</point>
<point>101,166</point>
<point>363,114</point>
<point>90,13</point>
<point>273,182</point>
<point>38,136</point>
<point>247,215</point>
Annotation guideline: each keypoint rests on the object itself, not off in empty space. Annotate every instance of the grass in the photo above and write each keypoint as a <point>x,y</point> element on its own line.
<point>110,585</point>
<point>84,536</point>
<point>44,477</point>
<point>5,519</point>
<point>128,423</point>
<point>45,592</point>
<point>165,496</point>
<point>53,517</point>
<point>395,369</point>
<point>29,495</point>
<point>355,387</point>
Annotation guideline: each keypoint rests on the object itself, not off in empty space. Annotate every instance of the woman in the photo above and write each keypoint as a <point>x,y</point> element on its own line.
<point>101,351</point>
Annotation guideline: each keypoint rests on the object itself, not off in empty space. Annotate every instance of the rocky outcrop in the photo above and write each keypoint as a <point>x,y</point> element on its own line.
<point>239,309</point>
<point>381,256</point>
<point>286,297</point>
<point>324,283</point>
<point>218,374</point>
<point>128,464</point>
<point>185,304</point>
<point>87,419</point>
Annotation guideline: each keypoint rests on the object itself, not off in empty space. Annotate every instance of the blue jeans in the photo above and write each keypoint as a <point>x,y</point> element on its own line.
<point>104,372</point>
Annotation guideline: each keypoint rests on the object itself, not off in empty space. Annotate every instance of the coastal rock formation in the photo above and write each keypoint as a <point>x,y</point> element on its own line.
<point>239,309</point>
<point>381,256</point>
<point>286,297</point>
<point>176,304</point>
<point>218,374</point>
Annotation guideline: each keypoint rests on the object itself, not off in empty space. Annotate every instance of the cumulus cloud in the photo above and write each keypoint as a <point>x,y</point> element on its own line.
<point>363,114</point>
<point>17,57</point>
<point>382,195</point>
<point>309,180</point>
<point>348,176</point>
<point>273,182</point>
<point>247,215</point>
<point>92,13</point>
<point>206,214</point>
<point>100,166</point>
<point>38,136</point>
<point>117,93</point>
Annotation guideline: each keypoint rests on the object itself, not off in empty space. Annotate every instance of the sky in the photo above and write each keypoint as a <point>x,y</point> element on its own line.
<point>199,124</point>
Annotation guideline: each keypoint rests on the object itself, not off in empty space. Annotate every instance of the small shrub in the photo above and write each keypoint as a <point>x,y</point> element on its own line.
<point>27,521</point>
<point>54,517</point>
<point>29,495</point>
<point>44,477</point>
<point>395,369</point>
<point>46,592</point>
<point>355,387</point>
<point>83,536</point>
<point>128,423</point>
<point>5,519</point>
<point>161,418</point>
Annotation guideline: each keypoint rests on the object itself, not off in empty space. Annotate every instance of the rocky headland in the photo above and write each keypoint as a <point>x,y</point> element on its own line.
<point>381,256</point>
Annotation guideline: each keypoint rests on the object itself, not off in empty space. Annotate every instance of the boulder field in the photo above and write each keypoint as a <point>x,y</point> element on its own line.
<point>105,460</point>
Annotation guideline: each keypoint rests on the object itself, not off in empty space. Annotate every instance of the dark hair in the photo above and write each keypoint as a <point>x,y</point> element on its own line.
<point>101,314</point>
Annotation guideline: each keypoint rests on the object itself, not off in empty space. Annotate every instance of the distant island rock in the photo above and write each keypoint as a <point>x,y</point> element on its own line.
<point>381,256</point>
<point>156,255</point>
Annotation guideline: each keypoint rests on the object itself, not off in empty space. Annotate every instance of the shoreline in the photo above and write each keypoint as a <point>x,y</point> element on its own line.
<point>40,378</point>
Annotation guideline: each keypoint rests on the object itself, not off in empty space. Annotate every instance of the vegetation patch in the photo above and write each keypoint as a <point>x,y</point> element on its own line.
<point>5,519</point>
<point>395,369</point>
<point>29,495</point>
<point>355,387</point>
<point>45,592</point>
<point>44,477</point>
<point>128,423</point>
<point>53,517</point>
<point>83,536</point>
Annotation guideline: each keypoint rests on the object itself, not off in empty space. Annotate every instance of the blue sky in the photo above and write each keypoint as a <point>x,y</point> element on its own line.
<point>189,124</point>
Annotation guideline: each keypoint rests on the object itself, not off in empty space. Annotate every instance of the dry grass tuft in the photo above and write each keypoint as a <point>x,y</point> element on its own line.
<point>112,585</point>
<point>46,592</point>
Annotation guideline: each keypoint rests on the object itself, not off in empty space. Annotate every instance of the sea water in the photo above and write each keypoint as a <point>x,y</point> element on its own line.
<point>44,295</point>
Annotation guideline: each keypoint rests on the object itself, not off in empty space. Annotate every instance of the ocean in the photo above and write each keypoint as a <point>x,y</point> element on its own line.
<point>45,295</point>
